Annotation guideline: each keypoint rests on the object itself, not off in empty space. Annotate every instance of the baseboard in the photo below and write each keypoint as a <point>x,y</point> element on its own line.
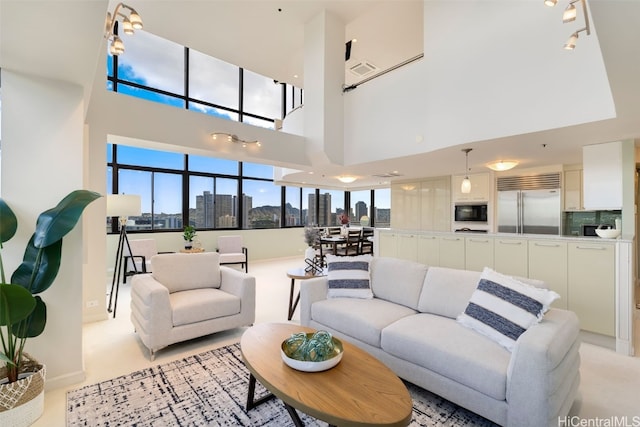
<point>598,339</point>
<point>64,380</point>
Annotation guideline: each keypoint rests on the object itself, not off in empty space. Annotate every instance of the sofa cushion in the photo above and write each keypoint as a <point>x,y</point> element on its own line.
<point>503,308</point>
<point>198,305</point>
<point>179,272</point>
<point>397,280</point>
<point>349,276</point>
<point>445,347</point>
<point>362,319</point>
<point>446,291</point>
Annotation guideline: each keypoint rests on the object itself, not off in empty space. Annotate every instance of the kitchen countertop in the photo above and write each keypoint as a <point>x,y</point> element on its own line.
<point>590,239</point>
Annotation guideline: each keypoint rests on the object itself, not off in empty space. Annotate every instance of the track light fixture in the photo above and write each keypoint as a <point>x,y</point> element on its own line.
<point>233,139</point>
<point>569,15</point>
<point>130,23</point>
<point>465,187</point>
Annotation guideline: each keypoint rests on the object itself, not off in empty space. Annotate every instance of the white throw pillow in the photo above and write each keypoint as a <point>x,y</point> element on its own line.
<point>348,276</point>
<point>503,308</point>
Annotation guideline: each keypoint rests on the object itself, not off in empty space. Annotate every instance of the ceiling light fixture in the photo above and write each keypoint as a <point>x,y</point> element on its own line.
<point>346,179</point>
<point>465,187</point>
<point>569,15</point>
<point>502,165</point>
<point>234,139</point>
<point>130,23</point>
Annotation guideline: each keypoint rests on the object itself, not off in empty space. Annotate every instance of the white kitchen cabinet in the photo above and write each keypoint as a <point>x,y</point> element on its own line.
<point>387,243</point>
<point>511,256</point>
<point>435,204</point>
<point>548,262</point>
<point>591,285</point>
<point>451,252</point>
<point>407,246</point>
<point>478,252</point>
<point>428,252</point>
<point>572,188</point>
<point>405,205</point>
<point>602,175</point>
<point>480,188</point>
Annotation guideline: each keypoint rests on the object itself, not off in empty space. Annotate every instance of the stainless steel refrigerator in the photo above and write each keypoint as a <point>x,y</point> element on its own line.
<point>529,211</point>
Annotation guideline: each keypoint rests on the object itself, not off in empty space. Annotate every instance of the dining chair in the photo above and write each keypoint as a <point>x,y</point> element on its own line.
<point>333,231</point>
<point>351,245</point>
<point>366,241</point>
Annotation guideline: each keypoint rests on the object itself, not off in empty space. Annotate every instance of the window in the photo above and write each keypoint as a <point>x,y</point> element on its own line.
<point>213,80</point>
<point>225,194</point>
<point>261,96</point>
<point>360,204</point>
<point>261,202</point>
<point>292,211</point>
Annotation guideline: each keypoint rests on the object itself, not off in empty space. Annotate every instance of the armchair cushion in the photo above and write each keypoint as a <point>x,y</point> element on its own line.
<point>198,305</point>
<point>180,272</point>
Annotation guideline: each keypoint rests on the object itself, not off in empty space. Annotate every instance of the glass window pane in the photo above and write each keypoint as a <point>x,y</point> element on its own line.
<point>147,157</point>
<point>216,112</point>
<point>382,198</point>
<point>255,170</point>
<point>212,165</point>
<point>226,203</point>
<point>150,95</point>
<point>261,96</point>
<point>360,202</point>
<point>167,201</point>
<point>289,98</point>
<point>309,207</point>
<point>268,124</point>
<point>292,207</point>
<point>331,205</point>
<point>152,61</point>
<point>261,204</point>
<point>109,153</point>
<point>201,213</point>
<point>213,80</point>
<point>109,64</point>
<point>137,182</point>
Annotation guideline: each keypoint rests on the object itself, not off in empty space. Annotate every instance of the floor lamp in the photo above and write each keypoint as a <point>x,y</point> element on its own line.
<point>121,206</point>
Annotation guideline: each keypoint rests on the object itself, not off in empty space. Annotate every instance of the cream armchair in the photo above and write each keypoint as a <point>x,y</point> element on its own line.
<point>188,296</point>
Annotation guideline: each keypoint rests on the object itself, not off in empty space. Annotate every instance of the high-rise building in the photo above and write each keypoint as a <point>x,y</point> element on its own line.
<point>361,210</point>
<point>324,210</point>
<point>247,205</point>
<point>225,210</point>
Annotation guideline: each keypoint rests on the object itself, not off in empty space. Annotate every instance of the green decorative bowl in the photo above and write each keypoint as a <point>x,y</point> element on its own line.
<point>300,360</point>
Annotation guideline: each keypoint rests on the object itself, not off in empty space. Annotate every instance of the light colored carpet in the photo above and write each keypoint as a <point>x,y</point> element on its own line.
<point>210,389</point>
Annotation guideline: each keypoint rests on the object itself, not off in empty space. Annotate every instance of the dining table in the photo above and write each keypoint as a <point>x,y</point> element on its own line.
<point>334,241</point>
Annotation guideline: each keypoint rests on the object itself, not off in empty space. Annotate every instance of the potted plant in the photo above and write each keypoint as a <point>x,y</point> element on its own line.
<point>189,234</point>
<point>23,313</point>
<point>311,237</point>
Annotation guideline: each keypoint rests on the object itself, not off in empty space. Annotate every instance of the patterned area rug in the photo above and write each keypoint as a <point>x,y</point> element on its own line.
<point>210,389</point>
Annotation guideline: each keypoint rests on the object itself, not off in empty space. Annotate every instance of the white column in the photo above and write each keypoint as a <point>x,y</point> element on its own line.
<point>42,161</point>
<point>324,65</point>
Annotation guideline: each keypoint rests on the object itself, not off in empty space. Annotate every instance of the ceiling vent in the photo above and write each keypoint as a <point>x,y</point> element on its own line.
<point>363,68</point>
<point>387,175</point>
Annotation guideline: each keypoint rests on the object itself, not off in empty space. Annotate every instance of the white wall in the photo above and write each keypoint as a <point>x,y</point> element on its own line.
<point>475,83</point>
<point>42,161</point>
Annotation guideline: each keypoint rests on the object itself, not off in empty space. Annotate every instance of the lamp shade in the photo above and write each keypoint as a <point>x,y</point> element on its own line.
<point>123,205</point>
<point>465,187</point>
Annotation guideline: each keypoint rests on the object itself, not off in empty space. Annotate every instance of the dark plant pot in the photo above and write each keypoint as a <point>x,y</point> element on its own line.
<point>188,245</point>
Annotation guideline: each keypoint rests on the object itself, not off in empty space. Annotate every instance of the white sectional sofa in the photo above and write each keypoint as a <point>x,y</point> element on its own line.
<point>410,325</point>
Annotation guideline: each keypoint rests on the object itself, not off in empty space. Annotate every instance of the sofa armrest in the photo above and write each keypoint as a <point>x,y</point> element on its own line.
<point>242,285</point>
<point>150,310</point>
<point>311,290</point>
<point>543,373</point>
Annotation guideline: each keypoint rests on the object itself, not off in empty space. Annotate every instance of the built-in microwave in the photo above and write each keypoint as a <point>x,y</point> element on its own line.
<point>475,213</point>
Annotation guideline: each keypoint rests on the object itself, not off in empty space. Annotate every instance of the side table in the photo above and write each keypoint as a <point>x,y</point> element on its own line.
<point>299,274</point>
<point>192,251</point>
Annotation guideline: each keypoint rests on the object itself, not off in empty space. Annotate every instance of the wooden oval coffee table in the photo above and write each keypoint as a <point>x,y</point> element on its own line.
<point>359,391</point>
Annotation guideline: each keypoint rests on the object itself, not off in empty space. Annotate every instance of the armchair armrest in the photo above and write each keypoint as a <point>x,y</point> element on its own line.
<point>243,286</point>
<point>543,373</point>
<point>311,290</point>
<point>143,260</point>
<point>150,310</point>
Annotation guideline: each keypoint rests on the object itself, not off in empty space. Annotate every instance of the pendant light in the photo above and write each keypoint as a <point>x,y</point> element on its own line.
<point>465,187</point>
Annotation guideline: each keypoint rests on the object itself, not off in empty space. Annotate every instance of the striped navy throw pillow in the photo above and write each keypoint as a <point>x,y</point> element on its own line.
<point>348,276</point>
<point>503,308</point>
